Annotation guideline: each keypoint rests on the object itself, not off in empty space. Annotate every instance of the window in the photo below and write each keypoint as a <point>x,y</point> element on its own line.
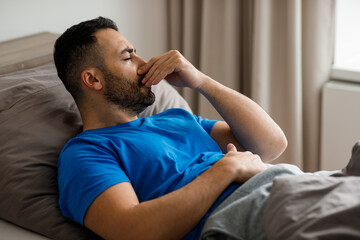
<point>347,41</point>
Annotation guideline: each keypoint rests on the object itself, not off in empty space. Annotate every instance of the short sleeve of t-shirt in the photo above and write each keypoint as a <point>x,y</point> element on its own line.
<point>85,171</point>
<point>205,123</point>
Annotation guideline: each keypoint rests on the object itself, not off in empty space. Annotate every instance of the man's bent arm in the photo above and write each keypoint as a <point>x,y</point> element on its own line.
<point>251,127</point>
<point>117,214</point>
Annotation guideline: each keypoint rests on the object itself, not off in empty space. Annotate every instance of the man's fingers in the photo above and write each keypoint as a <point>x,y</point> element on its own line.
<point>158,72</point>
<point>146,67</point>
<point>159,67</point>
<point>231,148</point>
<point>152,68</point>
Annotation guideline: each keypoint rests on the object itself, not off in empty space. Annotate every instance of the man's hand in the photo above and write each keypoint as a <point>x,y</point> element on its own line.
<point>244,164</point>
<point>174,68</point>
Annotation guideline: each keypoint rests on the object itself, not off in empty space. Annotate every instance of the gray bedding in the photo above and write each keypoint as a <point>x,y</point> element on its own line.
<point>285,203</point>
<point>316,207</point>
<point>313,207</point>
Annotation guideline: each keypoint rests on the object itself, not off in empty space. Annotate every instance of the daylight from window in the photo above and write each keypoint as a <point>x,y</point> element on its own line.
<point>347,35</point>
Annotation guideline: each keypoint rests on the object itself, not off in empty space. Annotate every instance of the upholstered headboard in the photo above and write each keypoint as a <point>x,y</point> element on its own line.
<point>26,52</point>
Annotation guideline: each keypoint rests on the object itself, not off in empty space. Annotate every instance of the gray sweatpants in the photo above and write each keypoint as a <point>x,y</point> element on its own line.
<point>240,216</point>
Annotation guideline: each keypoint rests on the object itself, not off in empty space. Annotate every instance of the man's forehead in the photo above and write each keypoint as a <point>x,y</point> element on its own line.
<point>112,40</point>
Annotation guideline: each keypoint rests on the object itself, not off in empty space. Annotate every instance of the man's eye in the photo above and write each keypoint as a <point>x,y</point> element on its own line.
<point>126,59</point>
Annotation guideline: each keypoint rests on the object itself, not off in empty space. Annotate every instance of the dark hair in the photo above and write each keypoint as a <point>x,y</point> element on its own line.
<point>76,49</point>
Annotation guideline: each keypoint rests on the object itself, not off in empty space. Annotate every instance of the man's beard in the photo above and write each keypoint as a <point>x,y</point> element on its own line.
<point>129,95</point>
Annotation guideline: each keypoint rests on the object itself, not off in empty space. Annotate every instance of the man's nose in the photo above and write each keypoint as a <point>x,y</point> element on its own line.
<point>141,61</point>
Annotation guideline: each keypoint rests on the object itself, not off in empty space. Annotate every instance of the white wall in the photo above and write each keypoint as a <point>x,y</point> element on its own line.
<point>340,128</point>
<point>143,22</point>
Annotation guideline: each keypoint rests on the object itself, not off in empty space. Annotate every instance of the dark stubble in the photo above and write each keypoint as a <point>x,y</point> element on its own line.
<point>129,95</point>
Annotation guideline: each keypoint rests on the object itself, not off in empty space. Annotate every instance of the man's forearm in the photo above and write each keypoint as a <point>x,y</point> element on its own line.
<point>251,125</point>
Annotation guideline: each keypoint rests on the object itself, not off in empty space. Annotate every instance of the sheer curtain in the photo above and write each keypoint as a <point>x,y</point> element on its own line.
<point>278,52</point>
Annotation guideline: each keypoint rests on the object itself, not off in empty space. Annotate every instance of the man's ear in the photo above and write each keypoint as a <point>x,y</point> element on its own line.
<point>92,78</point>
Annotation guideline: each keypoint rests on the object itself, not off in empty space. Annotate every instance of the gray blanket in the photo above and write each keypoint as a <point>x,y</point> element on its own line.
<point>284,203</point>
<point>313,207</point>
<point>316,207</point>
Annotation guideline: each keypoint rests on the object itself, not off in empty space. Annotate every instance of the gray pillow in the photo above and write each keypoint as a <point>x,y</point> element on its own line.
<point>37,117</point>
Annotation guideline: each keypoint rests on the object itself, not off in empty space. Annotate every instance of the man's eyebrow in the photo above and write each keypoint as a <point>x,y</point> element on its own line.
<point>129,50</point>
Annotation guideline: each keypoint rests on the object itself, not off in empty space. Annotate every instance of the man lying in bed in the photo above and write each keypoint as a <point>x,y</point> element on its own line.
<point>158,177</point>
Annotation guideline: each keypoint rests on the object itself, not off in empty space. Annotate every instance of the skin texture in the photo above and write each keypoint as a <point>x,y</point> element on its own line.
<point>117,212</point>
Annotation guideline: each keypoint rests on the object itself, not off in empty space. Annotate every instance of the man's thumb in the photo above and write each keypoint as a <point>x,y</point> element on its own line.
<point>231,148</point>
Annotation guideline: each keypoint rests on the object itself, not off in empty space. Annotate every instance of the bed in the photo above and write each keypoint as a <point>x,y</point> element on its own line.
<point>37,117</point>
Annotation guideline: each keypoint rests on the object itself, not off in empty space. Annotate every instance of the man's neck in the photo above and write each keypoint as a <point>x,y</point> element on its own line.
<point>105,116</point>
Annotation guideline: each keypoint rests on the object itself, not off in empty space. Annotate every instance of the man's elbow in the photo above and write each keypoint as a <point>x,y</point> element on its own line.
<point>283,143</point>
<point>278,146</point>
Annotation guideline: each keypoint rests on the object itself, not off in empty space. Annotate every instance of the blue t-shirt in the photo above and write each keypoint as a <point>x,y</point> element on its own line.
<point>156,154</point>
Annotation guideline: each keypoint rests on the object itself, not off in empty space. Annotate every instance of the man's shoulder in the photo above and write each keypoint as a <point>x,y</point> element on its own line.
<point>84,143</point>
<point>81,151</point>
